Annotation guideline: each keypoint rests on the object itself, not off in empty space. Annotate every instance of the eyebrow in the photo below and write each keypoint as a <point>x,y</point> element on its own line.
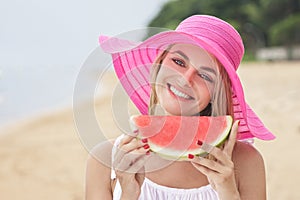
<point>209,69</point>
<point>182,54</point>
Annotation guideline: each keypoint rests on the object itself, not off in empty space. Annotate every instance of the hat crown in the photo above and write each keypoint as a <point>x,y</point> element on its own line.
<point>218,34</point>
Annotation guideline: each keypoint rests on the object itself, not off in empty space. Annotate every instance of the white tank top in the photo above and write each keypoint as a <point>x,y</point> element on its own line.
<point>153,191</point>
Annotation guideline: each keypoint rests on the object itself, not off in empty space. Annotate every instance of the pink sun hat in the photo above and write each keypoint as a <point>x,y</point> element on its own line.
<point>133,60</point>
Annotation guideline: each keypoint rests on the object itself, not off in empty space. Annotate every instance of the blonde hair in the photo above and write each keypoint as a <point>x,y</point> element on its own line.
<point>154,71</point>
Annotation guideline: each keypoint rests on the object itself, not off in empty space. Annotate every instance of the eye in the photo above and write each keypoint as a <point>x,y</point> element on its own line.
<point>179,62</point>
<point>206,77</point>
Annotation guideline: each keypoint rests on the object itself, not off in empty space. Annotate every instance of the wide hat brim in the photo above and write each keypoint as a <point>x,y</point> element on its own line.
<point>133,60</point>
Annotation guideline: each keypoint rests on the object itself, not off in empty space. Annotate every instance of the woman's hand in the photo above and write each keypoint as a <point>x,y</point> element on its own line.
<point>128,164</point>
<point>220,172</point>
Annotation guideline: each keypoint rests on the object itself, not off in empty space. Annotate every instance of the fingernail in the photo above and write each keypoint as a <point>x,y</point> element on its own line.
<point>191,156</point>
<point>146,146</point>
<point>144,140</point>
<point>148,152</point>
<point>199,142</point>
<point>239,122</point>
<point>136,131</point>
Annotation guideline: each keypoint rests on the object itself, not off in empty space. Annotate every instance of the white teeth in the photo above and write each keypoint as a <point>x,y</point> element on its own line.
<point>178,93</point>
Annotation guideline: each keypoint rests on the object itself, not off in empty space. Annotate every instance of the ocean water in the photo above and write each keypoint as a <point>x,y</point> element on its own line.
<point>26,91</point>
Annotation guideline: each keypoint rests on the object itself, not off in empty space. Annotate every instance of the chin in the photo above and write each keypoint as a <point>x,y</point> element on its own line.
<point>178,112</point>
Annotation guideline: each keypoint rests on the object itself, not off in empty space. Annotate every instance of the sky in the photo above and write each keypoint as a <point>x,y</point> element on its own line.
<point>64,32</point>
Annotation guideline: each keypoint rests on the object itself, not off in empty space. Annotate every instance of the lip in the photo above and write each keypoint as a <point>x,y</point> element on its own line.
<point>181,98</point>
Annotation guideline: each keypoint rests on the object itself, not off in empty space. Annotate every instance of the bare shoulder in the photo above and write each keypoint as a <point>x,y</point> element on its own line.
<point>98,172</point>
<point>102,153</point>
<point>246,154</point>
<point>250,171</point>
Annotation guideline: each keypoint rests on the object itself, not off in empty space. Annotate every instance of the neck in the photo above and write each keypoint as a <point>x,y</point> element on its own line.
<point>159,110</point>
<point>176,174</point>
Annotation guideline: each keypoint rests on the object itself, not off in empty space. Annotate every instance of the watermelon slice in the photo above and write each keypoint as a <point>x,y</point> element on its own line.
<point>174,137</point>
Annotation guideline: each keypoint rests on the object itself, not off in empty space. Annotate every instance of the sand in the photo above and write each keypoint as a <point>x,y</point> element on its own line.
<point>44,157</point>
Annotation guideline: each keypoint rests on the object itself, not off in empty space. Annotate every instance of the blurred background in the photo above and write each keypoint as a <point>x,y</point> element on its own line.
<point>44,46</point>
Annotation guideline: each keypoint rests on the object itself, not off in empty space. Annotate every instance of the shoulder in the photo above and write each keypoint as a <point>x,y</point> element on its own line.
<point>247,158</point>
<point>245,154</point>
<point>249,169</point>
<point>98,172</point>
<point>101,153</point>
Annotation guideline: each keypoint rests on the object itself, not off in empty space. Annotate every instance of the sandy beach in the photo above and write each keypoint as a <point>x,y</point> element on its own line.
<point>44,157</point>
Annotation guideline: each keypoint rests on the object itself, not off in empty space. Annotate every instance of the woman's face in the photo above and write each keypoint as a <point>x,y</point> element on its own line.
<point>186,79</point>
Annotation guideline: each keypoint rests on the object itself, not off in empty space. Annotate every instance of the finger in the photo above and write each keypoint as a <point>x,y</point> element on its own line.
<point>215,151</point>
<point>211,175</point>
<point>133,144</point>
<point>208,164</point>
<point>138,165</point>
<point>126,139</point>
<point>126,161</point>
<point>134,133</point>
<point>204,170</point>
<point>128,147</point>
<point>131,162</point>
<point>121,150</point>
<point>221,156</point>
<point>229,145</point>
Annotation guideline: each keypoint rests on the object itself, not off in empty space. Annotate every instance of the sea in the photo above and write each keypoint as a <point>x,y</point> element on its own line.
<point>27,91</point>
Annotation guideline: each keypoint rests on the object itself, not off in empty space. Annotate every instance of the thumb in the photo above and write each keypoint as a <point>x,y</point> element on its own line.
<point>232,139</point>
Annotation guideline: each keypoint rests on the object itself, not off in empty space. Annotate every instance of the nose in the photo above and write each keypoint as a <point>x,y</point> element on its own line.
<point>189,75</point>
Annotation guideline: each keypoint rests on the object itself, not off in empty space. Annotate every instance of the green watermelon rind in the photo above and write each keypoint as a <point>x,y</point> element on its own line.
<point>181,156</point>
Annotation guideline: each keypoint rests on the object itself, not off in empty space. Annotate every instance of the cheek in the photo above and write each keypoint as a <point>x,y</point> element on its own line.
<point>164,74</point>
<point>168,67</point>
<point>204,91</point>
<point>159,86</point>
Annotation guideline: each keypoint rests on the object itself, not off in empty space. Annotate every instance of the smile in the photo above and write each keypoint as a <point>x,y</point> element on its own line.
<point>179,93</point>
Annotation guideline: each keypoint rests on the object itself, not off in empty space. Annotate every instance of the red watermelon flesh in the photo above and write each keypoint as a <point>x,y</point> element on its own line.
<point>174,137</point>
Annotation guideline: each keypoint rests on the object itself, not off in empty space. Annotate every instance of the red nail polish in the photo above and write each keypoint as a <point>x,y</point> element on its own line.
<point>199,142</point>
<point>146,146</point>
<point>144,140</point>
<point>136,131</point>
<point>190,156</point>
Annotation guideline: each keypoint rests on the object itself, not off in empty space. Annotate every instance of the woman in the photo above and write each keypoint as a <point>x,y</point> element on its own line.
<point>193,72</point>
